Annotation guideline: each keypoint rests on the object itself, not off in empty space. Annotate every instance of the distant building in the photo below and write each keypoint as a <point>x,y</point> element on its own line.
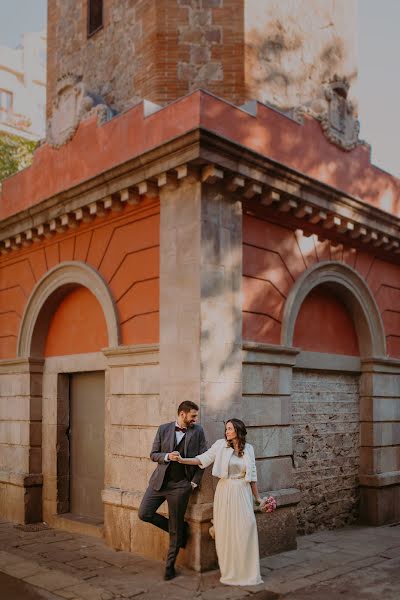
<point>23,87</point>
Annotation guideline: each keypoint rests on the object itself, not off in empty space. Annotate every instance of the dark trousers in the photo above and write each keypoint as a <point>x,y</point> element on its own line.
<point>177,495</point>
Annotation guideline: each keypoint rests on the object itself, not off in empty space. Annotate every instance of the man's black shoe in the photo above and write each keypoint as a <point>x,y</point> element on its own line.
<point>185,534</point>
<point>170,573</point>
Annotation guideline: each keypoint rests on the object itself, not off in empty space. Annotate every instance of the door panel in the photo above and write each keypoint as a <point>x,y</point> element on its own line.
<point>87,444</point>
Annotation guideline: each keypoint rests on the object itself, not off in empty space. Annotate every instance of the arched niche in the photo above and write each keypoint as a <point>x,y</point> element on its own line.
<point>353,291</point>
<point>47,295</point>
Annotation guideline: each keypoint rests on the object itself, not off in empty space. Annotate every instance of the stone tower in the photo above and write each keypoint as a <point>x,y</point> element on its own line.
<point>279,52</point>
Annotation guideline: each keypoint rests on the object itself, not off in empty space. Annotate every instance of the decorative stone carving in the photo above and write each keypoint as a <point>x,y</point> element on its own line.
<point>73,103</point>
<point>335,112</point>
<point>339,123</point>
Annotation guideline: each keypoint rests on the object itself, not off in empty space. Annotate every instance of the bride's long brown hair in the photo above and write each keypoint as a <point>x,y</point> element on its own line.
<point>241,432</point>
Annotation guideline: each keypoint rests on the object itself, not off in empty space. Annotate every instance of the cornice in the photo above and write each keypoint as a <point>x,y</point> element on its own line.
<point>262,184</point>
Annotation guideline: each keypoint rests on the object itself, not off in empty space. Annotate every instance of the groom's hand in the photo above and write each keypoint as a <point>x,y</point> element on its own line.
<point>174,455</point>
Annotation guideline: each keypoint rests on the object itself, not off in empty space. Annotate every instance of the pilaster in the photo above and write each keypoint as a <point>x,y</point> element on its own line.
<point>380,441</point>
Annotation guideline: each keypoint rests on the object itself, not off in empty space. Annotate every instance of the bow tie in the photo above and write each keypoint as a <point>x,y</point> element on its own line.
<point>183,429</point>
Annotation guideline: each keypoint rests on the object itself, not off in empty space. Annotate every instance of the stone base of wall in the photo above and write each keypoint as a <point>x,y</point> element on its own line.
<point>124,530</point>
<point>21,502</point>
<point>277,531</point>
<point>379,506</point>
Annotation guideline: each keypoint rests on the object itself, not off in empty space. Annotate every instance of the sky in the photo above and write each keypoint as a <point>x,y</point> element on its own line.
<point>379,71</point>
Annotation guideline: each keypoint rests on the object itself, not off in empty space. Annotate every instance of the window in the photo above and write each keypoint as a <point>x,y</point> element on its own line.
<point>6,100</point>
<point>95,16</point>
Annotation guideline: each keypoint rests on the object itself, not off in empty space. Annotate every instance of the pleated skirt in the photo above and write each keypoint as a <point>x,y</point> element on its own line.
<point>236,537</point>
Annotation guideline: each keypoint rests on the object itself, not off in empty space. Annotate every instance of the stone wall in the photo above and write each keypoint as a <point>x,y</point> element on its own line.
<point>20,440</point>
<point>325,409</point>
<point>293,48</point>
<point>154,49</point>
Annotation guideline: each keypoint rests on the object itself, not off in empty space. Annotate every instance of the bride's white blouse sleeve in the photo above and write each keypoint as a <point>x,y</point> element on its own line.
<point>207,458</point>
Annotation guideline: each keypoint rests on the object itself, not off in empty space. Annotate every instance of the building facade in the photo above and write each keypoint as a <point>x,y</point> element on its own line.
<point>23,87</point>
<point>188,246</point>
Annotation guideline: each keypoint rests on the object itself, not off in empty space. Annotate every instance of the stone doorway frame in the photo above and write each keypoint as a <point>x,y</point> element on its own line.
<point>54,396</point>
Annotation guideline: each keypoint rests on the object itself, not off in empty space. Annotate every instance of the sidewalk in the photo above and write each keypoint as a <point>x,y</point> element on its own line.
<point>353,564</point>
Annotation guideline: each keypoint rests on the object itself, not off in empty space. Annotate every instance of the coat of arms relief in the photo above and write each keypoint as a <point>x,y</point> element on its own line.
<point>73,103</point>
<point>336,113</point>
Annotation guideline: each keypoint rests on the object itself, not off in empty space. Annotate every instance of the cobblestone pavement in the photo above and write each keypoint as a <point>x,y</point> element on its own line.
<point>357,563</point>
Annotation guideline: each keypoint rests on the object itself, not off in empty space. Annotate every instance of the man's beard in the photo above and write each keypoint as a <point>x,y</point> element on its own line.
<point>189,423</point>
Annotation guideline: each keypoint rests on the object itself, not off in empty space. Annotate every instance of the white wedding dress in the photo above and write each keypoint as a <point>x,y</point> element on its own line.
<point>236,538</point>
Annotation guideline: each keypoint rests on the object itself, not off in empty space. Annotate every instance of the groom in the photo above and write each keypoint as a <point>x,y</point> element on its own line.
<point>172,481</point>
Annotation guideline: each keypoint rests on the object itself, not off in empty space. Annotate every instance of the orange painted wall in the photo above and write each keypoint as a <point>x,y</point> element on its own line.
<point>325,325</point>
<point>275,256</point>
<point>77,326</point>
<point>122,247</point>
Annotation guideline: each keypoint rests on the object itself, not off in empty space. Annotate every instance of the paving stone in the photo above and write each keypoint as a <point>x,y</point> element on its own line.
<point>22,569</point>
<point>7,558</point>
<point>225,592</point>
<point>68,594</point>
<point>288,586</point>
<point>391,552</point>
<point>52,580</point>
<point>87,592</point>
<point>88,563</point>
<point>209,580</point>
<point>166,591</point>
<point>277,562</point>
<point>342,569</point>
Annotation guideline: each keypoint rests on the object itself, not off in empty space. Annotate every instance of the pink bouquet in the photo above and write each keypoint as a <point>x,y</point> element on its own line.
<point>268,504</point>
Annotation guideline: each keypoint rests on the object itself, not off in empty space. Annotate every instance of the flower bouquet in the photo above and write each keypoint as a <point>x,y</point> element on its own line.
<point>268,504</point>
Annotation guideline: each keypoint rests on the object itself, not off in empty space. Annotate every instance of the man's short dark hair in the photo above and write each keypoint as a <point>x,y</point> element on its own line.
<point>186,406</point>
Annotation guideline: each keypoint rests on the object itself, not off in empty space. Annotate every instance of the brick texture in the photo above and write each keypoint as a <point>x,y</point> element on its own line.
<point>159,50</point>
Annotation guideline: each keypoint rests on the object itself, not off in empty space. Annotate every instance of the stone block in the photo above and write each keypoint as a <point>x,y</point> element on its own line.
<point>380,384</point>
<point>15,408</point>
<point>379,409</point>
<point>274,473</point>
<point>379,506</point>
<point>266,410</point>
<point>220,401</point>
<point>143,379</point>
<point>199,554</point>
<point>277,531</point>
<point>270,441</point>
<point>12,503</point>
<point>146,539</point>
<point>15,458</point>
<point>266,379</point>
<point>16,384</point>
<point>35,460</point>
<point>14,433</point>
<point>117,527</point>
<point>380,434</point>
<point>128,473</point>
<point>33,504</point>
<point>379,460</point>
<point>135,410</point>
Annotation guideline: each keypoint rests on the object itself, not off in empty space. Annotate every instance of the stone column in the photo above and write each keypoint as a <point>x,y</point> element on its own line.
<point>201,323</point>
<point>380,441</point>
<point>267,410</point>
<point>21,440</point>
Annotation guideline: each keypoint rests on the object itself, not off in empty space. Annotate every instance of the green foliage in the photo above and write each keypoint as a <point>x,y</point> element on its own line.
<point>15,154</point>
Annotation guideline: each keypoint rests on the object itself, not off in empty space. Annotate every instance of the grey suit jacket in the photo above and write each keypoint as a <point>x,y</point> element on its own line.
<point>194,444</point>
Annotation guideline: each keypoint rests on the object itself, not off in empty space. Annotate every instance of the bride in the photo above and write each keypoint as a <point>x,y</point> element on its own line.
<point>236,538</point>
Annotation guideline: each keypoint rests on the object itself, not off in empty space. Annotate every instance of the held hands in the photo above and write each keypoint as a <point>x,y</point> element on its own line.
<point>175,456</point>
